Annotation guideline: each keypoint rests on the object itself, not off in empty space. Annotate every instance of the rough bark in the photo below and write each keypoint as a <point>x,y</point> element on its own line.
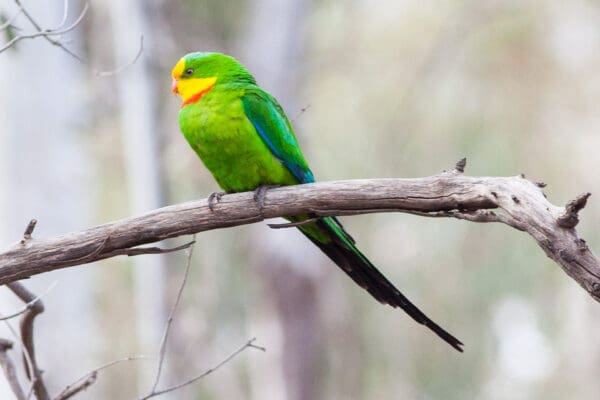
<point>514,201</point>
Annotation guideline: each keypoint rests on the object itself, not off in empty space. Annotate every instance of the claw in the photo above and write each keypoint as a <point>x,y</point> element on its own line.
<point>214,199</point>
<point>259,195</point>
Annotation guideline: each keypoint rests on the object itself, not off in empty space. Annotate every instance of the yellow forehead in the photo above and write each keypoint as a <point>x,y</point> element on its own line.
<point>178,69</point>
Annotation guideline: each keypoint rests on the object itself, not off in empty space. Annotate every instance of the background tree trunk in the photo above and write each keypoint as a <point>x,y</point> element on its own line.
<point>273,50</point>
<point>45,172</point>
<point>140,131</point>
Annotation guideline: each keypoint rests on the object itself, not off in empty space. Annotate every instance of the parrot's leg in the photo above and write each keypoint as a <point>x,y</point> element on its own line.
<point>259,194</point>
<point>213,199</point>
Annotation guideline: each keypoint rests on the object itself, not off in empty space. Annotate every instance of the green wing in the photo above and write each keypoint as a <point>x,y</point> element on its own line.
<point>272,125</point>
<point>269,120</point>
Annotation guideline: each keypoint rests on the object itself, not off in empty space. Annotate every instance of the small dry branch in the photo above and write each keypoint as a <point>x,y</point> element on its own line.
<point>35,307</point>
<point>9,370</point>
<point>51,35</point>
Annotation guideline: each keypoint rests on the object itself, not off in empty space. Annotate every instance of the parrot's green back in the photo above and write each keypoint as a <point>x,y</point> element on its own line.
<point>244,138</point>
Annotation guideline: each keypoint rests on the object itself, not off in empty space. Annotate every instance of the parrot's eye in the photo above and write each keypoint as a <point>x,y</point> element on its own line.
<point>189,71</point>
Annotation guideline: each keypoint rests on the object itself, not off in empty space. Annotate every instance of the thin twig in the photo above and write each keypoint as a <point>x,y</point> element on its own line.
<point>36,308</point>
<point>293,224</point>
<point>302,111</point>
<point>10,21</point>
<point>163,342</point>
<point>47,33</point>
<point>29,304</point>
<point>66,392</point>
<point>80,387</point>
<point>26,357</point>
<point>103,74</point>
<point>9,369</point>
<point>63,21</point>
<point>248,344</point>
<point>29,230</point>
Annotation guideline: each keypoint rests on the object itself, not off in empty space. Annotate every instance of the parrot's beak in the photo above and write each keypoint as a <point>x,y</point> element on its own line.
<point>174,88</point>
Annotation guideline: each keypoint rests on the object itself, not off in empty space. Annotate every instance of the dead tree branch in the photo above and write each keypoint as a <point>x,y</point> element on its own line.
<point>162,352</point>
<point>117,70</point>
<point>35,307</point>
<point>52,35</point>
<point>248,345</point>
<point>9,369</point>
<point>80,387</point>
<point>28,305</point>
<point>90,377</point>
<point>514,201</point>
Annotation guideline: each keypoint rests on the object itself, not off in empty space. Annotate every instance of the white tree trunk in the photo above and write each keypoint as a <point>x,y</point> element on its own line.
<point>272,50</point>
<point>45,173</point>
<point>139,126</point>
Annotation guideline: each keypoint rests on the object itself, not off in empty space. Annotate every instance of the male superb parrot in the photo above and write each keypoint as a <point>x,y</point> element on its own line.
<point>242,135</point>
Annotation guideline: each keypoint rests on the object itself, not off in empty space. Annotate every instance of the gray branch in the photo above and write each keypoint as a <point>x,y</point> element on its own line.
<point>514,201</point>
<point>35,307</point>
<point>9,370</point>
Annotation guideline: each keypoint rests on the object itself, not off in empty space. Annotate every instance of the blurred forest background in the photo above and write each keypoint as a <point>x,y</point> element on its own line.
<point>388,88</point>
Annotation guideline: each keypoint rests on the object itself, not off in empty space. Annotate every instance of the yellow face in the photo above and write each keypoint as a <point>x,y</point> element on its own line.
<point>190,89</point>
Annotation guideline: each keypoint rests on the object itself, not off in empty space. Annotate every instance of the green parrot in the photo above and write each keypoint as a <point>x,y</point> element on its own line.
<point>242,135</point>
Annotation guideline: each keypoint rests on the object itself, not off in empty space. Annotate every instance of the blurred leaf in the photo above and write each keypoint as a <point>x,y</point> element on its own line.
<point>9,32</point>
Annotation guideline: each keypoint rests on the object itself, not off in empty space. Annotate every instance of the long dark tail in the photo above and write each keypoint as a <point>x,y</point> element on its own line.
<point>332,239</point>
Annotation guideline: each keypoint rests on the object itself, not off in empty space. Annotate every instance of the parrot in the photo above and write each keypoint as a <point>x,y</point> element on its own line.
<point>244,138</point>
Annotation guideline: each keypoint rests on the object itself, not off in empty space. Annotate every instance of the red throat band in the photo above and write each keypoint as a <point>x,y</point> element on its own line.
<point>195,98</point>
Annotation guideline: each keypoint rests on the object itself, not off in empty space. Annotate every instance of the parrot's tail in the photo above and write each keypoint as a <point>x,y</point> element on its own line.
<point>332,239</point>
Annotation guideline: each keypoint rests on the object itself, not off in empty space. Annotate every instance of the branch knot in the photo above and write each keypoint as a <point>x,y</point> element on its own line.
<point>460,165</point>
<point>570,218</point>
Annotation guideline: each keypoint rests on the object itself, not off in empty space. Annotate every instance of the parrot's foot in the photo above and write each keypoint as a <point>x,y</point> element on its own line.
<point>259,195</point>
<point>214,199</point>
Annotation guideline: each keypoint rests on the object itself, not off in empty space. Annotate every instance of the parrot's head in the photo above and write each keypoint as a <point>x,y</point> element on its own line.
<point>195,74</point>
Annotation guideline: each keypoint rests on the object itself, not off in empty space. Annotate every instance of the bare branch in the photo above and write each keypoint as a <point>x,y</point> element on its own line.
<point>29,230</point>
<point>9,22</point>
<point>79,387</point>
<point>26,358</point>
<point>515,201</point>
<point>247,345</point>
<point>163,342</point>
<point>28,305</point>
<point>71,389</point>
<point>9,369</point>
<point>302,111</point>
<point>63,21</point>
<point>47,33</point>
<point>120,68</point>
<point>37,307</point>
<point>50,34</point>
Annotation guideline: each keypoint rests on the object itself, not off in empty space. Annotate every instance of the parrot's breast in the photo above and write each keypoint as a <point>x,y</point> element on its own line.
<point>218,130</point>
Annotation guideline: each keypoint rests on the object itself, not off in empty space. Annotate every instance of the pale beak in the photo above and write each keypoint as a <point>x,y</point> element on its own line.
<point>174,87</point>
